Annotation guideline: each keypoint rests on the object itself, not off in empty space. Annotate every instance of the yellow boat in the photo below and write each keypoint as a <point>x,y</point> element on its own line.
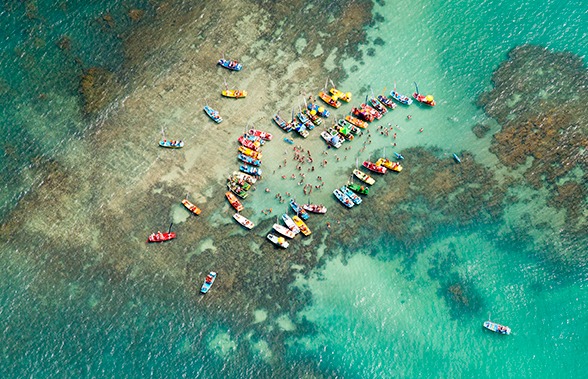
<point>301,225</point>
<point>332,101</point>
<point>234,93</point>
<point>394,166</point>
<point>249,152</point>
<point>340,95</point>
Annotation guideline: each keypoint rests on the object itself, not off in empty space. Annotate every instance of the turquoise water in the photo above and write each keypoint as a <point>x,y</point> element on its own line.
<point>391,308</point>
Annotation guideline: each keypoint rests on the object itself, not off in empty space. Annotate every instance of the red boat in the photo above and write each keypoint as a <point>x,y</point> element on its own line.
<point>428,100</point>
<point>249,144</point>
<point>234,201</point>
<point>371,111</point>
<point>362,114</point>
<point>372,167</point>
<point>261,134</point>
<point>160,237</point>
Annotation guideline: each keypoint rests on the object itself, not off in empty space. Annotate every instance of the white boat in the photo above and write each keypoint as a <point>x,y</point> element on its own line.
<point>208,282</point>
<point>496,328</point>
<point>290,223</point>
<point>284,231</point>
<point>243,221</point>
<point>331,140</point>
<point>350,194</point>
<point>246,177</point>
<point>344,199</point>
<point>280,241</point>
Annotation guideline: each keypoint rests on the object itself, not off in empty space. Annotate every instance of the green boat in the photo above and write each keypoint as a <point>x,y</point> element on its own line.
<point>357,188</point>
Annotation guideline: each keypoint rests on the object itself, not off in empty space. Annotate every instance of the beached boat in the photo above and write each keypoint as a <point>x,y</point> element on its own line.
<point>357,122</point>
<point>394,166</point>
<point>208,281</point>
<point>285,126</point>
<point>251,153</point>
<point>334,141</point>
<point>372,167</point>
<point>350,194</point>
<point>497,328</point>
<point>364,177</point>
<point>345,96</point>
<point>298,210</point>
<point>332,101</point>
<point>235,203</point>
<point>230,64</point>
<point>234,93</point>
<point>280,241</point>
<point>250,170</point>
<point>284,231</point>
<point>344,199</point>
<point>457,159</point>
<point>253,145</point>
<point>161,237</point>
<point>245,177</point>
<point>237,190</point>
<point>362,114</point>
<point>261,134</point>
<point>215,115</point>
<point>315,208</point>
<point>358,188</point>
<point>371,110</point>
<point>402,99</point>
<point>290,224</point>
<point>171,144</point>
<point>243,221</point>
<point>191,207</point>
<point>301,225</point>
<point>248,159</point>
<point>387,102</point>
<point>428,99</point>
<point>378,106</point>
<point>321,111</point>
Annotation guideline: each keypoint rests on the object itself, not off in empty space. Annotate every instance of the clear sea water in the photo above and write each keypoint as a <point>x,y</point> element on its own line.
<point>374,314</point>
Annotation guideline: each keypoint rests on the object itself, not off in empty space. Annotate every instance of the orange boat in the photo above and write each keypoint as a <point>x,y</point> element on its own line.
<point>301,225</point>
<point>234,201</point>
<point>357,122</point>
<point>332,101</point>
<point>394,166</point>
<point>191,207</point>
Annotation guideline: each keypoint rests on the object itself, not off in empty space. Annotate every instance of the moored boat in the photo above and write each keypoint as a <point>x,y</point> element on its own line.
<point>456,158</point>
<point>402,99</point>
<point>245,185</point>
<point>243,176</point>
<point>372,167</point>
<point>215,115</point>
<point>237,190</point>
<point>345,96</point>
<point>399,156</point>
<point>371,110</point>
<point>171,144</point>
<point>301,225</point>
<point>250,170</point>
<point>243,221</point>
<point>298,210</point>
<point>284,231</point>
<point>261,134</point>
<point>316,120</point>
<point>230,64</point>
<point>321,111</point>
<point>161,237</point>
<point>289,140</point>
<point>362,114</point>
<point>497,328</point>
<point>332,101</point>
<point>278,240</point>
<point>423,99</point>
<point>344,199</point>
<point>358,188</point>
<point>208,281</point>
<point>253,145</point>
<point>234,93</point>
<point>248,159</point>
<point>357,122</point>
<point>350,194</point>
<point>394,166</point>
<point>378,106</point>
<point>290,224</point>
<point>285,126</point>
<point>315,208</point>
<point>235,203</point>
<point>191,207</point>
<point>251,153</point>
<point>331,140</point>
<point>301,129</point>
<point>387,102</point>
<point>364,177</point>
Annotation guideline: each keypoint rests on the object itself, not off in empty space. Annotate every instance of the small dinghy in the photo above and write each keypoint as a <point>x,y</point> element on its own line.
<point>496,328</point>
<point>208,282</point>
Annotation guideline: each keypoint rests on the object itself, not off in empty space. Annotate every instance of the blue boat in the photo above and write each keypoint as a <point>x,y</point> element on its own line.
<point>298,210</point>
<point>402,99</point>
<point>215,115</point>
<point>321,111</point>
<point>250,170</point>
<point>305,120</point>
<point>171,144</point>
<point>282,123</point>
<point>344,199</point>
<point>301,129</point>
<point>456,158</point>
<point>289,140</point>
<point>248,159</point>
<point>208,282</point>
<point>231,65</point>
<point>350,194</point>
<point>399,156</point>
<point>497,328</point>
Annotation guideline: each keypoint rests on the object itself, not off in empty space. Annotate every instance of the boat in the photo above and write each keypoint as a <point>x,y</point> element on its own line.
<point>364,177</point>
<point>301,225</point>
<point>191,207</point>
<point>253,138</point>
<point>285,126</point>
<point>234,93</point>
<point>248,159</point>
<point>497,328</point>
<point>316,120</point>
<point>387,102</point>
<point>332,101</point>
<point>245,177</point>
<point>331,140</point>
<point>261,134</point>
<point>215,115</point>
<point>358,188</point>
<point>289,140</point>
<point>290,224</point>
<point>357,122</point>
<point>321,111</point>
<point>402,99</point>
<point>377,105</point>
<point>298,210</point>
<point>243,221</point>
<point>284,231</point>
<point>234,201</point>
<point>315,208</point>
<point>457,159</point>
<point>428,99</point>
<point>362,114</point>
<point>371,110</point>
<point>301,129</point>
<point>346,97</point>
<point>399,156</point>
<point>394,166</point>
<point>171,144</point>
<point>238,190</point>
<point>346,129</point>
<point>239,182</point>
<point>253,145</point>
<point>280,241</point>
<point>251,153</point>
<point>350,194</point>
<point>372,167</point>
<point>230,64</point>
<point>161,237</point>
<point>210,278</point>
<point>344,199</point>
<point>250,170</point>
